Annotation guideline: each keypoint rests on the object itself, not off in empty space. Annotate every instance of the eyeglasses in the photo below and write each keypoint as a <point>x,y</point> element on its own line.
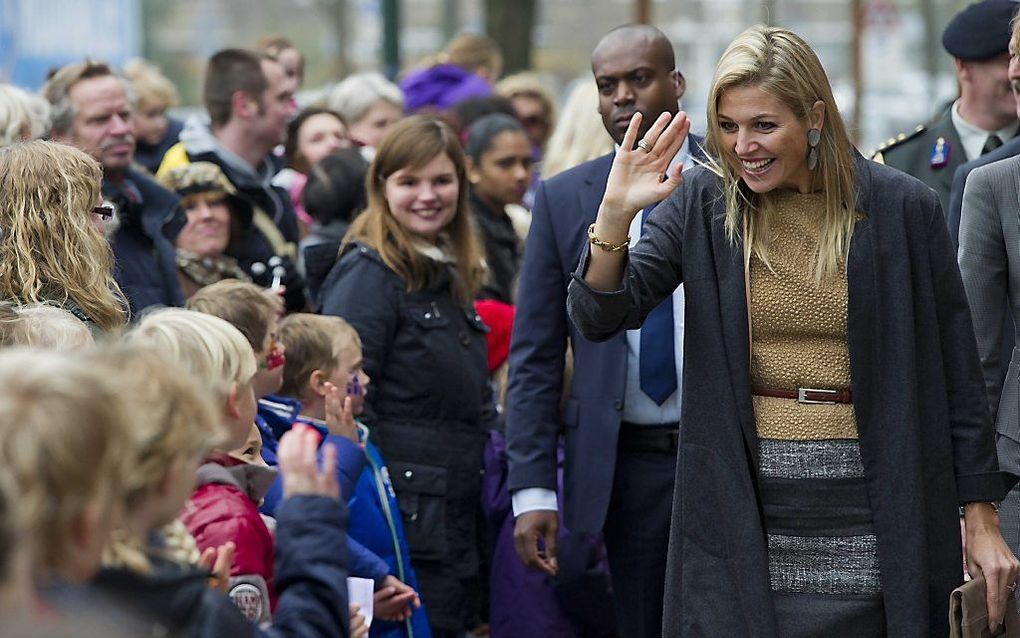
<point>105,211</point>
<point>535,121</point>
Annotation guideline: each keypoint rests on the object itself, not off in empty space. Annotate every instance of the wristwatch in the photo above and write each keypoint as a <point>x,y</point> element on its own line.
<point>994,504</point>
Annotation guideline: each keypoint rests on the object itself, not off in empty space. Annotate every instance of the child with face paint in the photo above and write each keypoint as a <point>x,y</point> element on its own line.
<point>324,371</point>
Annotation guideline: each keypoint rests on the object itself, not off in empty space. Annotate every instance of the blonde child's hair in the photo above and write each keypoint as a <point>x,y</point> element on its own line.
<point>152,89</point>
<point>174,418</point>
<point>42,325</point>
<point>211,350</point>
<point>243,305</point>
<point>64,441</point>
<point>313,343</point>
<point>12,542</point>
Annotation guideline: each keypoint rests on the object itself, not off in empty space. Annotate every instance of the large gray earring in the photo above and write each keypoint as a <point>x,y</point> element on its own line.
<point>813,137</point>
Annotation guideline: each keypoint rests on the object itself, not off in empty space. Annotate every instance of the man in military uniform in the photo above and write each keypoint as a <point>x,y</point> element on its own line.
<point>985,114</point>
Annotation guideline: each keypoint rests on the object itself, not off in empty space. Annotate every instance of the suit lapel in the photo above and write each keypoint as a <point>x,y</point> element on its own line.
<point>589,196</point>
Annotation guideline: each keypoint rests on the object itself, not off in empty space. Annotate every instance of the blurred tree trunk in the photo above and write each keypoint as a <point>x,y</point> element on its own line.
<point>336,14</point>
<point>643,11</point>
<point>451,19</point>
<point>857,11</point>
<point>509,23</point>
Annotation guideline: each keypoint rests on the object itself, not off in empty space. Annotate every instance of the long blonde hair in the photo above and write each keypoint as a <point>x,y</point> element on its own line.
<point>412,143</point>
<point>49,248</point>
<point>780,63</point>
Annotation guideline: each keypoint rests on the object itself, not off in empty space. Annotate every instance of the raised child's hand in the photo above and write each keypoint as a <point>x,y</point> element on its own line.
<point>340,413</point>
<point>298,468</point>
<point>218,560</point>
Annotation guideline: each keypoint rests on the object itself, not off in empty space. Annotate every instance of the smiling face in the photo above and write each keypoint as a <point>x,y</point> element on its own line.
<point>207,232</point>
<point>503,174</point>
<point>103,124</point>
<point>424,200</point>
<point>764,140</point>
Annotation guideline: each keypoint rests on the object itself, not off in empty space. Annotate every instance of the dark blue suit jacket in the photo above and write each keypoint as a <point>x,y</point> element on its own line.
<point>564,207</point>
<point>1009,149</point>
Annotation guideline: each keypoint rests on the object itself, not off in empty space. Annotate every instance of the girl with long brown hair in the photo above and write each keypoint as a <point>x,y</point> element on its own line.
<point>409,268</point>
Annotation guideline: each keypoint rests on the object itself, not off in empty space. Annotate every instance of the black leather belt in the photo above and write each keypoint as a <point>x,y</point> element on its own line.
<point>660,438</point>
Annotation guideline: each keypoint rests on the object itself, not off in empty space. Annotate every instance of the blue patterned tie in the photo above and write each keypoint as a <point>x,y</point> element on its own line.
<point>657,360</point>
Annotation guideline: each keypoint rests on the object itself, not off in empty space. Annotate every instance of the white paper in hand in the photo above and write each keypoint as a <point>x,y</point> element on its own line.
<point>361,592</point>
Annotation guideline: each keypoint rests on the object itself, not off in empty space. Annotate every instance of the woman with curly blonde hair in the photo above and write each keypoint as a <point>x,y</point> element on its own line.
<point>52,246</point>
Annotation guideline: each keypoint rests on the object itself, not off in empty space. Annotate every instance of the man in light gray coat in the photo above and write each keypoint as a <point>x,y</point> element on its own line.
<point>990,265</point>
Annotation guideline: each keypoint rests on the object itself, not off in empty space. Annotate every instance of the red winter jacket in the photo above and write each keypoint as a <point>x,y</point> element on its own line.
<point>223,508</point>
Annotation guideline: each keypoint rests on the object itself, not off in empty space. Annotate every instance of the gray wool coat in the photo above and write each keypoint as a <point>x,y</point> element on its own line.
<point>925,432</point>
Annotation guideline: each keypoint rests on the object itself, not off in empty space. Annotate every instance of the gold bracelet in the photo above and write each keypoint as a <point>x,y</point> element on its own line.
<point>605,245</point>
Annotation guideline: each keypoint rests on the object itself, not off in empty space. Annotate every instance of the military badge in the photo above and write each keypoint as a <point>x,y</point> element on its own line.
<point>939,153</point>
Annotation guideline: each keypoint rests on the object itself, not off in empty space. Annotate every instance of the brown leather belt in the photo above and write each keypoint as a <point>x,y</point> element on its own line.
<point>804,395</point>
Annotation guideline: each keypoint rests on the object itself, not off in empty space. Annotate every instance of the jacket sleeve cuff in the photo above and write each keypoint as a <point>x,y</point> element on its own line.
<point>596,313</point>
<point>984,487</point>
<point>531,499</point>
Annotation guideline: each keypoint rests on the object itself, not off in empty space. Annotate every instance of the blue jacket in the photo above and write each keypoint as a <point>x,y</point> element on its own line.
<point>276,415</point>
<point>143,246</point>
<point>376,522</point>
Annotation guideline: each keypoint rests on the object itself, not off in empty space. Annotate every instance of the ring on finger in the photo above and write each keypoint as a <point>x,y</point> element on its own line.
<point>1011,586</point>
<point>644,146</point>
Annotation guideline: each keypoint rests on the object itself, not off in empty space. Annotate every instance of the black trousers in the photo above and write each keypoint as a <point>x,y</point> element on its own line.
<point>637,538</point>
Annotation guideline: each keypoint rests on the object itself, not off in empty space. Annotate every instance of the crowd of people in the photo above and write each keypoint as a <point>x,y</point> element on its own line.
<point>531,369</point>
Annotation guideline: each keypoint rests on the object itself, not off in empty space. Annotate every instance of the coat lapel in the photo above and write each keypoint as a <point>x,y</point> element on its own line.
<point>861,286</point>
<point>729,266</point>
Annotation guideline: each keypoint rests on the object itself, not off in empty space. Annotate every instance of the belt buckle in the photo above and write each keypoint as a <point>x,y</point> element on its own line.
<point>802,396</point>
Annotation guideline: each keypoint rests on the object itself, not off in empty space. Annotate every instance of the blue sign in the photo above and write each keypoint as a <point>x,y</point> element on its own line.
<point>37,36</point>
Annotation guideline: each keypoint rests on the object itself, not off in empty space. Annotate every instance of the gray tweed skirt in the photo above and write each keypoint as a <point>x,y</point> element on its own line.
<point>823,564</point>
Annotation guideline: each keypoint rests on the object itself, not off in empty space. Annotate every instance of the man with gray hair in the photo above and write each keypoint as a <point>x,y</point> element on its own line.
<point>93,110</point>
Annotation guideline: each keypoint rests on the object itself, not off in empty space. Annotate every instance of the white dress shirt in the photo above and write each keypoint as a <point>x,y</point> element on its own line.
<point>974,138</point>
<point>637,406</point>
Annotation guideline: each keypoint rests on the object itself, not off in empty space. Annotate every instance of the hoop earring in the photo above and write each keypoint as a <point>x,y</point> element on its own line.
<point>813,137</point>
